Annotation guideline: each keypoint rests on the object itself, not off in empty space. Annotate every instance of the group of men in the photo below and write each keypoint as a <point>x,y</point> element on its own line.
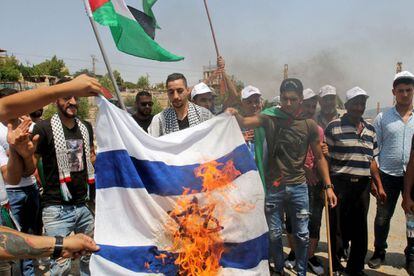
<point>303,156</point>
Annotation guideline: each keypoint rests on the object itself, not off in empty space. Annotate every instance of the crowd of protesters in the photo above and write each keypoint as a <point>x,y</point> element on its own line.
<point>47,166</point>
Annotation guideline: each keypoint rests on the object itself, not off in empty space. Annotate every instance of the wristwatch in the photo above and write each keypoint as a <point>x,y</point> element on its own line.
<point>57,252</point>
<point>327,186</point>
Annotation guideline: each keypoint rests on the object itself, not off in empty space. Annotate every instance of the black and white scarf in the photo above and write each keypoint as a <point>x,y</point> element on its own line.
<point>62,155</point>
<point>196,115</point>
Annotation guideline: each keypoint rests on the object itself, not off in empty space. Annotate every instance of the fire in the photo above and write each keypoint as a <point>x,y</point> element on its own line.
<point>196,235</point>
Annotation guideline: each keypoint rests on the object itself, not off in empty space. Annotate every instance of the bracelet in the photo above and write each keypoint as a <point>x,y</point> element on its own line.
<point>57,252</point>
<point>328,186</point>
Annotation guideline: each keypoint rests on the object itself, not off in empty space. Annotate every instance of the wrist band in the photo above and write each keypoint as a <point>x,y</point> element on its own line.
<point>57,252</point>
<point>327,186</point>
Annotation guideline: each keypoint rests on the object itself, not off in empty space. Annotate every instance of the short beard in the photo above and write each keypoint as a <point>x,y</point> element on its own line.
<point>65,114</point>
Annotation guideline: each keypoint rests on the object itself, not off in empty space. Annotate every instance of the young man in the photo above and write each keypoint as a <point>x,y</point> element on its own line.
<point>182,114</point>
<point>352,146</point>
<point>327,101</point>
<point>394,129</point>
<point>251,104</point>
<point>143,116</point>
<point>202,96</point>
<point>66,148</point>
<point>288,141</point>
<point>315,191</point>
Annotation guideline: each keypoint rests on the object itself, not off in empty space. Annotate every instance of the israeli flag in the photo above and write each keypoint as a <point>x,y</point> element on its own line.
<point>139,179</point>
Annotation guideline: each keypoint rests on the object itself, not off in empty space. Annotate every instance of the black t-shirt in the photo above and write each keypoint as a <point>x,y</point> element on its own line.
<point>143,123</point>
<point>183,124</point>
<point>76,154</point>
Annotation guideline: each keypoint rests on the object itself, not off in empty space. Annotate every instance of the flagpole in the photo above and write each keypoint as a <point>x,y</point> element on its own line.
<point>105,57</point>
<point>223,80</point>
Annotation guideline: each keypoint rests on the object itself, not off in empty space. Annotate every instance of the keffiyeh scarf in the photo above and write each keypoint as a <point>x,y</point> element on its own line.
<point>62,155</point>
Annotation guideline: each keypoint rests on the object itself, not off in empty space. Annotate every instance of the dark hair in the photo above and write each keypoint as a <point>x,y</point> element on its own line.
<point>174,77</point>
<point>407,81</point>
<point>292,84</point>
<point>63,80</point>
<point>142,93</point>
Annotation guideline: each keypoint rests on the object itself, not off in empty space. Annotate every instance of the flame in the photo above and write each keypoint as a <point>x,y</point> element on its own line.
<point>196,232</point>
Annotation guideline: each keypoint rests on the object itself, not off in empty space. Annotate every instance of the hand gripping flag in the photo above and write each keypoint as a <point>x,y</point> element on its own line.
<point>187,203</point>
<point>129,35</point>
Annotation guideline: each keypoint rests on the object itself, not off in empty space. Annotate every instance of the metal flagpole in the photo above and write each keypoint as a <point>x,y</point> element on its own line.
<point>108,65</point>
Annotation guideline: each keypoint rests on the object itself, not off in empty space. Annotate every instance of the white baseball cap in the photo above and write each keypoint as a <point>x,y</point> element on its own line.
<point>355,92</point>
<point>403,75</point>
<point>308,94</point>
<point>327,90</point>
<point>200,88</point>
<point>249,91</point>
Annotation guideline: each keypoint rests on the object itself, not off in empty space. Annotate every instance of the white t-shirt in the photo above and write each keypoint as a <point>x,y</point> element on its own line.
<point>4,147</point>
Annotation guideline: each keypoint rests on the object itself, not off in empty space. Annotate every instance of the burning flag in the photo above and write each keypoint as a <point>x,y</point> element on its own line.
<point>187,203</point>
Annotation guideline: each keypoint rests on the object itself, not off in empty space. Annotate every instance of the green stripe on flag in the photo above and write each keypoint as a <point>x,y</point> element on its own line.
<point>131,38</point>
<point>106,15</point>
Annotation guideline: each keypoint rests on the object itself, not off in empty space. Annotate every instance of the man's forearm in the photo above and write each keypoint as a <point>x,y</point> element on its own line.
<point>375,174</point>
<point>16,245</point>
<point>14,170</point>
<point>323,170</point>
<point>28,166</point>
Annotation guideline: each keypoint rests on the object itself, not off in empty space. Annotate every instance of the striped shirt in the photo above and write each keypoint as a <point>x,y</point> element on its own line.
<point>350,153</point>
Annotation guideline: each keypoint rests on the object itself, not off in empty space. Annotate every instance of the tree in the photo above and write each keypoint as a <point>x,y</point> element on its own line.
<point>143,82</point>
<point>9,69</point>
<point>130,85</point>
<point>83,71</point>
<point>118,79</point>
<point>53,67</point>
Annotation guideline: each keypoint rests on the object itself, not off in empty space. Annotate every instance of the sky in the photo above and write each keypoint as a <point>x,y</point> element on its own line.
<point>344,43</point>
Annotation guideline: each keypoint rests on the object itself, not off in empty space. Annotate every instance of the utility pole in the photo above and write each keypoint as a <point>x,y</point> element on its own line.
<point>285,71</point>
<point>94,60</point>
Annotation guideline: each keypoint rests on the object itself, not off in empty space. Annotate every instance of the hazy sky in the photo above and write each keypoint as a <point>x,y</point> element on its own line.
<point>343,43</point>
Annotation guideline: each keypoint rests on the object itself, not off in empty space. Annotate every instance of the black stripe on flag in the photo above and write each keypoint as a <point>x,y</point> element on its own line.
<point>146,22</point>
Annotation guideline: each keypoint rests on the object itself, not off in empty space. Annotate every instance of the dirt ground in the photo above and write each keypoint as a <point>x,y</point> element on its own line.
<point>395,259</point>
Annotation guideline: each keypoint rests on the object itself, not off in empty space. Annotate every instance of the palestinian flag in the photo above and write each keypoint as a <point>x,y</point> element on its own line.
<point>129,35</point>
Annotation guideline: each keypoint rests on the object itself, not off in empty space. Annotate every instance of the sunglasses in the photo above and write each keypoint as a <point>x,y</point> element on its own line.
<point>145,104</point>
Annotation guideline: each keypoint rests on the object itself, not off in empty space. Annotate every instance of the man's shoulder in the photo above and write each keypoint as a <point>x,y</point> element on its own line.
<point>42,125</point>
<point>334,123</point>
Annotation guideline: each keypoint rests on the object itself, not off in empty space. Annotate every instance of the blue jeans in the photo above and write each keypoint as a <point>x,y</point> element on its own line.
<point>61,220</point>
<point>294,200</point>
<point>393,187</point>
<point>25,207</point>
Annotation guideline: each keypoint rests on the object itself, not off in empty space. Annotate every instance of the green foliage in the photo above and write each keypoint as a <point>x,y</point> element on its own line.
<point>143,82</point>
<point>83,109</point>
<point>9,69</point>
<point>107,83</point>
<point>119,80</point>
<point>156,108</point>
<point>83,71</point>
<point>159,86</point>
<point>53,67</point>
<point>129,100</point>
<point>130,85</point>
